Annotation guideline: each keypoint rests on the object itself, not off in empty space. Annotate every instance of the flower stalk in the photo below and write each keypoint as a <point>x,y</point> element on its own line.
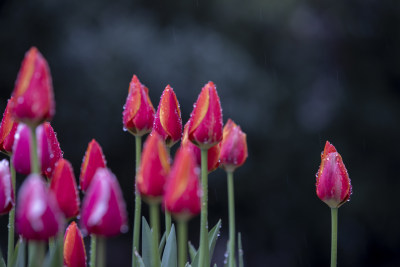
<point>155,226</point>
<point>101,255</point>
<point>11,219</point>
<point>182,242</point>
<point>204,257</point>
<point>93,248</point>
<point>231,203</point>
<point>334,218</point>
<point>36,253</point>
<point>34,155</point>
<point>138,203</point>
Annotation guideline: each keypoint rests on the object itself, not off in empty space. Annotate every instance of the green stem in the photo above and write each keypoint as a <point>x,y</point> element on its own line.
<point>167,223</point>
<point>101,252</point>
<point>138,204</point>
<point>155,222</point>
<point>93,244</point>
<point>182,243</point>
<point>167,214</point>
<point>334,215</point>
<point>231,203</point>
<point>52,244</point>
<point>35,167</point>
<point>204,253</point>
<point>36,253</point>
<point>11,219</point>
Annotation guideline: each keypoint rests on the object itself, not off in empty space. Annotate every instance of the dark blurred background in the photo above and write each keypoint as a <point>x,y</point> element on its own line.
<point>293,74</point>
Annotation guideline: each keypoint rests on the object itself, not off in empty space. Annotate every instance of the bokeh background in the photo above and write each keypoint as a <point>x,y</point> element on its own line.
<point>293,74</point>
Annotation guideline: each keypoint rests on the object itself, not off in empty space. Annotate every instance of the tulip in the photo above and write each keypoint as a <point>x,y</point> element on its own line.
<point>168,121</point>
<point>205,124</point>
<point>233,155</point>
<point>205,131</point>
<point>138,114</point>
<point>8,128</point>
<point>74,248</point>
<point>103,208</point>
<point>38,216</point>
<point>154,168</point>
<point>92,160</point>
<point>55,150</point>
<point>333,182</point>
<point>182,197</point>
<point>6,188</point>
<point>63,185</point>
<point>212,153</point>
<point>21,156</point>
<point>33,99</point>
<point>333,188</point>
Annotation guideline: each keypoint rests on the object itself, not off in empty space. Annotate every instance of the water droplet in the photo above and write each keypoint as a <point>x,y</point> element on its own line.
<point>20,100</point>
<point>124,229</point>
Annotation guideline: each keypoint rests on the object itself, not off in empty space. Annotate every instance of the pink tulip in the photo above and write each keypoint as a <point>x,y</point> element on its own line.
<point>6,188</point>
<point>92,160</point>
<point>168,121</point>
<point>33,99</point>
<point>55,150</point>
<point>8,128</point>
<point>103,209</point>
<point>37,216</point>
<point>74,248</point>
<point>333,182</point>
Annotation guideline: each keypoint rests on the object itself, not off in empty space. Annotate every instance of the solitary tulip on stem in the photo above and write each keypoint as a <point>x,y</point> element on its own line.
<point>92,160</point>
<point>333,188</point>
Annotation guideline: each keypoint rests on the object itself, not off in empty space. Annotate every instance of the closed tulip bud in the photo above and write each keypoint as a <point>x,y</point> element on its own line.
<point>92,160</point>
<point>138,114</point>
<point>205,124</point>
<point>55,150</point>
<point>38,216</point>
<point>8,128</point>
<point>233,147</point>
<point>103,209</point>
<point>154,168</point>
<point>33,99</point>
<point>6,188</point>
<point>212,153</point>
<point>74,248</point>
<point>21,156</point>
<point>183,190</point>
<point>63,185</point>
<point>168,121</point>
<point>333,182</point>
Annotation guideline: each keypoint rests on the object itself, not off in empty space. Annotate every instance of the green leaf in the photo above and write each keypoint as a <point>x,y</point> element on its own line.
<point>18,258</point>
<point>54,257</point>
<point>2,262</point>
<point>192,251</point>
<point>212,240</point>
<point>146,243</point>
<point>140,260</point>
<point>240,250</point>
<point>169,258</point>
<point>212,237</point>
<point>162,243</point>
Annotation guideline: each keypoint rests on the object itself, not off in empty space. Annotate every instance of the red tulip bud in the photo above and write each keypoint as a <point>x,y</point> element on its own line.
<point>138,115</point>
<point>21,156</point>
<point>183,191</point>
<point>212,153</point>
<point>38,216</point>
<point>154,168</point>
<point>8,128</point>
<point>6,188</point>
<point>233,147</point>
<point>63,185</point>
<point>205,124</point>
<point>92,160</point>
<point>55,150</point>
<point>168,121</point>
<point>103,209</point>
<point>333,182</point>
<point>33,100</point>
<point>74,248</point>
